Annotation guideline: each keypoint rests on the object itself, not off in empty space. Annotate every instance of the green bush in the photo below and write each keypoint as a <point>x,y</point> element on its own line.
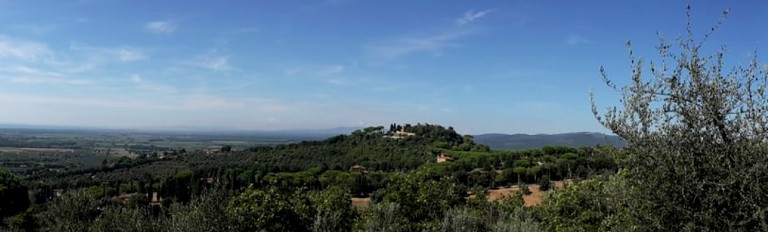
<point>545,183</point>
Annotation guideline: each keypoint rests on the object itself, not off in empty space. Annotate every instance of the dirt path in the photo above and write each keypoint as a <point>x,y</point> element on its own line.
<point>361,201</point>
<point>532,199</point>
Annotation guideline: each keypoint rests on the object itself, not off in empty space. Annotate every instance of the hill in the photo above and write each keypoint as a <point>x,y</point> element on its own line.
<point>399,148</point>
<point>525,141</point>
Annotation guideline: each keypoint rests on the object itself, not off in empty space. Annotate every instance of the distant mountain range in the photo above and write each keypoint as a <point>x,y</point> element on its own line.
<point>525,141</point>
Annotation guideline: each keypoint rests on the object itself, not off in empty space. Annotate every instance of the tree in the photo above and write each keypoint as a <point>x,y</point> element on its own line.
<point>590,205</point>
<point>127,219</point>
<point>422,199</point>
<point>206,212</point>
<point>518,171</point>
<point>13,193</point>
<point>272,209</point>
<point>697,130</point>
<point>74,211</point>
<point>334,210</point>
<point>544,183</point>
<point>383,217</point>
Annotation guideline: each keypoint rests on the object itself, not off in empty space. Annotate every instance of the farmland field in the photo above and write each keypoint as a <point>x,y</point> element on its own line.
<point>36,151</point>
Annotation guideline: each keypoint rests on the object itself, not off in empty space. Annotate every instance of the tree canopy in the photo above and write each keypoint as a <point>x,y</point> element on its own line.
<point>697,132</point>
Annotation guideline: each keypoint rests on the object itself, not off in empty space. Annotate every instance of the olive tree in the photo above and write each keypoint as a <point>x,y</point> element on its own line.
<point>696,130</point>
<point>74,211</point>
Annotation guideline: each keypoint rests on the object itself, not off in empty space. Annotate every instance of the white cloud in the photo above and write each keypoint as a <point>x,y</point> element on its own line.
<point>471,16</point>
<point>576,39</point>
<point>127,55</point>
<point>100,55</point>
<point>409,45</point>
<point>533,105</point>
<point>338,81</point>
<point>23,50</point>
<point>135,78</point>
<point>46,80</point>
<point>24,70</point>
<point>43,80</point>
<point>34,29</point>
<point>435,43</point>
<point>149,86</point>
<point>161,27</point>
<point>28,75</point>
<point>218,63</point>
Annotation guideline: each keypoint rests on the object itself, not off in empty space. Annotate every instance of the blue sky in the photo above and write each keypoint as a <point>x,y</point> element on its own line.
<point>479,66</point>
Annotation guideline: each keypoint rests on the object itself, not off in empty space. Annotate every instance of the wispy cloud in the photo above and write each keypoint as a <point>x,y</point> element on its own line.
<point>149,86</point>
<point>46,81</point>
<point>434,43</point>
<point>24,70</point>
<point>127,55</point>
<point>575,39</point>
<point>23,50</point>
<point>31,62</point>
<point>106,54</point>
<point>471,16</point>
<point>322,4</point>
<point>28,75</point>
<point>315,70</point>
<point>34,29</point>
<point>332,70</point>
<point>161,27</point>
<point>534,105</point>
<point>215,62</point>
<point>408,45</point>
<point>331,74</point>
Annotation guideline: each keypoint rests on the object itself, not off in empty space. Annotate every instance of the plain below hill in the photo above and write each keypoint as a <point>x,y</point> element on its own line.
<point>526,141</point>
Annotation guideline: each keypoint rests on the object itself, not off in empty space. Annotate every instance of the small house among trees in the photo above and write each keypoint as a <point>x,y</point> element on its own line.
<point>443,158</point>
<point>358,168</point>
<point>156,200</point>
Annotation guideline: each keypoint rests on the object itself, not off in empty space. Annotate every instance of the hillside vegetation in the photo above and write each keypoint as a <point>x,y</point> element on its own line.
<point>525,141</point>
<point>398,169</point>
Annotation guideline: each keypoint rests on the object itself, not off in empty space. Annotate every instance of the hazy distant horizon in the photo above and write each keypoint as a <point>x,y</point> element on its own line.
<point>481,67</point>
<point>203,130</point>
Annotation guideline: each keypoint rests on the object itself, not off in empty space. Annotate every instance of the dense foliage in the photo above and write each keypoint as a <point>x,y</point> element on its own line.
<point>13,194</point>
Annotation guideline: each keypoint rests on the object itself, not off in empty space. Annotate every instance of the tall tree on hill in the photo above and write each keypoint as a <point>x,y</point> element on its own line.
<point>698,154</point>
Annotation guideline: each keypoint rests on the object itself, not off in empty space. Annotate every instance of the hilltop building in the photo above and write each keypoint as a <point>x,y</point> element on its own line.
<point>402,134</point>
